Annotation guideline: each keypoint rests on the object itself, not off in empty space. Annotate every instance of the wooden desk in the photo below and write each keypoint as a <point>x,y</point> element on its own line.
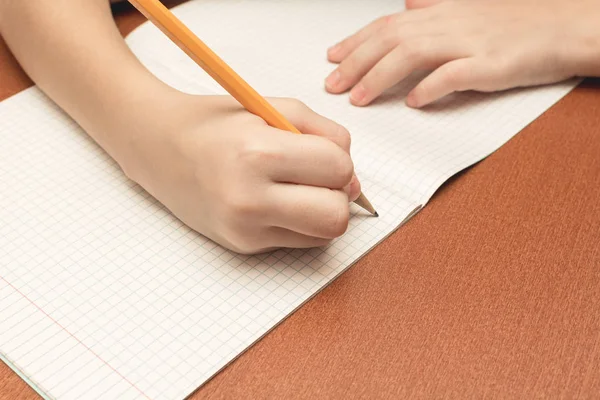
<point>493,290</point>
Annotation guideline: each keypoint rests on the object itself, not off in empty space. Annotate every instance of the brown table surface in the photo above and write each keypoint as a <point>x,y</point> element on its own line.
<point>493,290</point>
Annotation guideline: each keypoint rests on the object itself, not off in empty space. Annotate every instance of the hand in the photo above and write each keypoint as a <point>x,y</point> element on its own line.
<point>483,45</point>
<point>243,184</point>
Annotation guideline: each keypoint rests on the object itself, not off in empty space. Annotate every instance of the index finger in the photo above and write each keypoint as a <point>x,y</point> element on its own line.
<point>309,122</point>
<point>305,160</point>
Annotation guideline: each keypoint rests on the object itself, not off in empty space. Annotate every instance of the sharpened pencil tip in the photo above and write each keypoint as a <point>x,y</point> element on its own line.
<point>366,204</point>
<point>376,214</point>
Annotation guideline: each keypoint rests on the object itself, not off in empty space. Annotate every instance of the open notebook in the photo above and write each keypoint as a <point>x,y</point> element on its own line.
<point>104,294</point>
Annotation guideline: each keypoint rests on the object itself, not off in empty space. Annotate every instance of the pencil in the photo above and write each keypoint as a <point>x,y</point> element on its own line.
<point>224,75</point>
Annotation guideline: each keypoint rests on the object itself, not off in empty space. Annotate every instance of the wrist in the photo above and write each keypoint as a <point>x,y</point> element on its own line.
<point>153,120</point>
<point>124,112</point>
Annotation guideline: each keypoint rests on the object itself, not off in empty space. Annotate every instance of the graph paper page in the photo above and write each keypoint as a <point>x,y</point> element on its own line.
<point>104,294</point>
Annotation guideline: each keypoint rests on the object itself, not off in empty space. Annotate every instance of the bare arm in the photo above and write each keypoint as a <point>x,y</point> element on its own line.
<point>70,49</point>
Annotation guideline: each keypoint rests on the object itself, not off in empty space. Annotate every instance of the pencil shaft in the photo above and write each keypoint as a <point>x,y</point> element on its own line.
<point>210,62</point>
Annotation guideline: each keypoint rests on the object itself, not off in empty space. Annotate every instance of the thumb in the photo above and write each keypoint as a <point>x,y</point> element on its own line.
<point>458,75</point>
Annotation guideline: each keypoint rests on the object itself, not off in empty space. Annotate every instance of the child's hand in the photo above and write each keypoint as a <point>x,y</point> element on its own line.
<point>247,186</point>
<point>483,45</point>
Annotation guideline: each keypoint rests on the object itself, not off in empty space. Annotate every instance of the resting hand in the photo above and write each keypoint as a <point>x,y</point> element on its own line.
<point>483,45</point>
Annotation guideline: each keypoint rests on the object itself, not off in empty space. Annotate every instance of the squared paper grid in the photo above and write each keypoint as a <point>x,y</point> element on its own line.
<point>104,294</point>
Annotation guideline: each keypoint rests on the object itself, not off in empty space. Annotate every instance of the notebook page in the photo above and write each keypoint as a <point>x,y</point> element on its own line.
<point>104,294</point>
<point>410,151</point>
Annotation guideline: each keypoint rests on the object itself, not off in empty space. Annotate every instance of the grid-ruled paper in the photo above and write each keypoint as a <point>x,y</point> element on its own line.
<point>104,294</point>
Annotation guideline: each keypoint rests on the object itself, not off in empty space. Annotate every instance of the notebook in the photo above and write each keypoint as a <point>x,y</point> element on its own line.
<point>105,294</point>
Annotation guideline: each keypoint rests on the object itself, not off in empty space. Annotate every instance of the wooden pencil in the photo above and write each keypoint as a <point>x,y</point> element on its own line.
<point>224,75</point>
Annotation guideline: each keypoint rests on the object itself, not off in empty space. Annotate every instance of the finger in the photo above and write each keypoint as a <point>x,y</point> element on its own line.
<point>360,61</point>
<point>458,75</point>
<point>414,4</point>
<point>415,54</point>
<point>281,237</point>
<point>309,210</point>
<point>309,122</point>
<point>353,189</point>
<point>273,238</point>
<point>300,159</point>
<point>341,50</point>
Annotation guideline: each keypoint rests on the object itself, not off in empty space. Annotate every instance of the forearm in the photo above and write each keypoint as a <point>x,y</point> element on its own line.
<point>73,51</point>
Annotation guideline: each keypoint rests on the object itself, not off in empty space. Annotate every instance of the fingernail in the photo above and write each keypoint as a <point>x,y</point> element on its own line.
<point>333,80</point>
<point>358,93</point>
<point>411,100</point>
<point>354,188</point>
<point>333,50</point>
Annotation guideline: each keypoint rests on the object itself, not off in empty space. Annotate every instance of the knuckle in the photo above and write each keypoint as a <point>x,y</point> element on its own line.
<point>344,138</point>
<point>240,207</point>
<point>257,154</point>
<point>295,105</point>
<point>339,219</point>
<point>391,37</point>
<point>454,76</point>
<point>386,20</point>
<point>410,48</point>
<point>344,168</point>
<point>390,19</point>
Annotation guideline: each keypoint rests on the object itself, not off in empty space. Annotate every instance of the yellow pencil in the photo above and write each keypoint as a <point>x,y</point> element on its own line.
<point>198,51</point>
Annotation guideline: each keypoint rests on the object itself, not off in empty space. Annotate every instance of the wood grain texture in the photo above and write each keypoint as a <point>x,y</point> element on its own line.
<point>493,290</point>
